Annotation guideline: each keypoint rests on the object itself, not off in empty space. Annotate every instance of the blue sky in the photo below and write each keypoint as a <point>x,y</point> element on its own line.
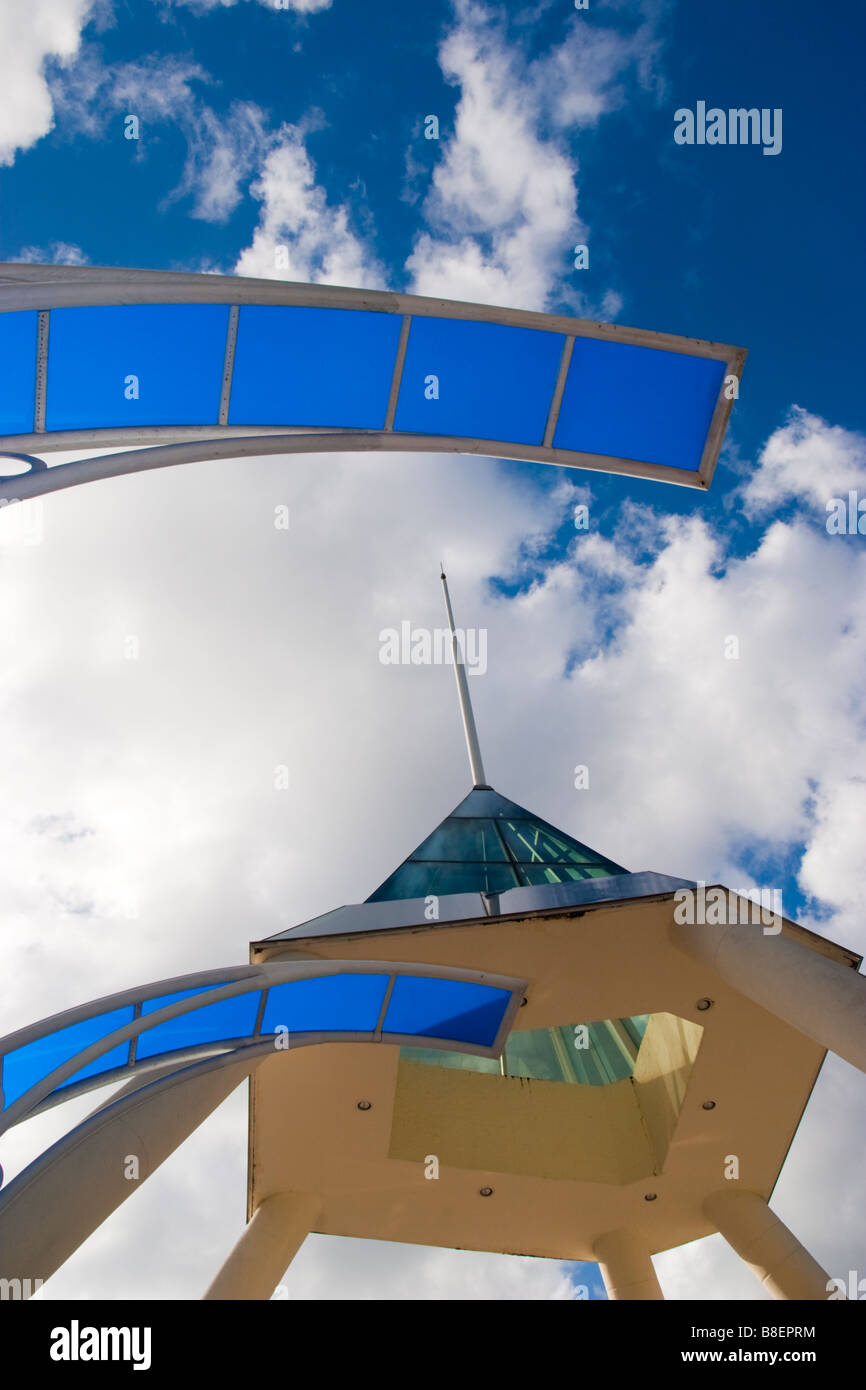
<point>303,128</point>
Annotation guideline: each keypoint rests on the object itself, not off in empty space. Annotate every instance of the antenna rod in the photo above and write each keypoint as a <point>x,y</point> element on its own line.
<point>472,748</point>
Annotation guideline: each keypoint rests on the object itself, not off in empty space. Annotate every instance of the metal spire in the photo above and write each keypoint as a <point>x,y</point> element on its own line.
<point>472,748</point>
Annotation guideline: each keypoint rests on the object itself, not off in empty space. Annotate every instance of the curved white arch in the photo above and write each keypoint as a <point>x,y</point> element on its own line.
<point>39,291</point>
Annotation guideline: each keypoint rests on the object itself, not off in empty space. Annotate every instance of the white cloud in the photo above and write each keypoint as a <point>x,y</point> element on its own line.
<point>260,647</point>
<point>834,866</point>
<point>298,6</point>
<point>810,460</point>
<point>222,156</point>
<point>222,151</point>
<point>30,34</point>
<point>301,235</point>
<point>503,212</point>
<point>58,253</point>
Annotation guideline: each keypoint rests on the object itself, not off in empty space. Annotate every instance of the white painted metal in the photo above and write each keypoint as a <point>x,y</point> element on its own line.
<point>246,444</point>
<point>397,375</point>
<point>469,729</point>
<point>228,364</point>
<point>558,392</point>
<point>41,372</point>
<point>28,287</point>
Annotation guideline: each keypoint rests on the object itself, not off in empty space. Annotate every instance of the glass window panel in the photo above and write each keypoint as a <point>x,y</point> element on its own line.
<point>551,1054</point>
<point>536,875</point>
<point>229,1018</point>
<point>532,842</point>
<point>117,1057</point>
<point>463,839</point>
<point>331,1003</point>
<point>445,1009</point>
<point>636,1027</point>
<point>533,1054</point>
<point>456,1061</point>
<point>17,373</point>
<point>29,1064</point>
<point>175,351</point>
<point>418,880</point>
<point>311,367</point>
<point>495,381</point>
<point>584,1061</point>
<point>483,803</point>
<point>161,1001</point>
<point>638,403</point>
<point>607,1054</point>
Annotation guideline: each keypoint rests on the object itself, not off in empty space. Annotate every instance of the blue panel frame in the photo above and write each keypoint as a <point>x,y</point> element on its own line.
<point>175,351</point>
<point>326,1003</point>
<point>308,367</point>
<point>27,1065</point>
<point>436,1008</point>
<point>494,381</point>
<point>638,403</point>
<point>18,336</point>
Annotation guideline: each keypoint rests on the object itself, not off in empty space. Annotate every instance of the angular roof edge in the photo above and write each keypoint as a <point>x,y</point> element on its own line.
<point>394,913</point>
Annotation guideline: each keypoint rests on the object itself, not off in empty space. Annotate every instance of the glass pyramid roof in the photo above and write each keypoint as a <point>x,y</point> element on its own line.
<point>488,845</point>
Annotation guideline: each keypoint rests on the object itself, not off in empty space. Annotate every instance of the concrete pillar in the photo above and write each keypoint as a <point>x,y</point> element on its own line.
<point>626,1266</point>
<point>266,1247</point>
<point>774,1255</point>
<point>822,998</point>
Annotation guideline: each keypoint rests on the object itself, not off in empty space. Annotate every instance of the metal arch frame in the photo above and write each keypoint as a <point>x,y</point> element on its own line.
<point>227,984</point>
<point>43,288</point>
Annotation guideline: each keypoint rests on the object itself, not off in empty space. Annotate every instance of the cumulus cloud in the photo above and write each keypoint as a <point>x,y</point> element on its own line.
<point>30,35</point>
<point>810,460</point>
<point>502,214</point>
<point>58,253</point>
<point>298,6</point>
<point>301,235</point>
<point>223,151</point>
<point>144,834</point>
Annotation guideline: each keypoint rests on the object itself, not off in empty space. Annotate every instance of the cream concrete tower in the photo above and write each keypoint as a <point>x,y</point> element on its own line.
<point>668,1041</point>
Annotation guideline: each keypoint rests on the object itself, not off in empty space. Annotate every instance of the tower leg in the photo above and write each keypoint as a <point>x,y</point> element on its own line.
<point>822,998</point>
<point>626,1266</point>
<point>266,1247</point>
<point>772,1252</point>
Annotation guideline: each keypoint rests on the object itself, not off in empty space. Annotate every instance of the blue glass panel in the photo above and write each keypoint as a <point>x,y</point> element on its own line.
<point>536,874</point>
<point>17,372</point>
<point>29,1064</point>
<point>312,367</point>
<point>454,1009</point>
<point>331,1003</point>
<point>161,1001</point>
<point>460,838</point>
<point>117,1057</point>
<point>418,879</point>
<point>488,803</point>
<point>638,403</point>
<point>533,842</point>
<point>230,1018</point>
<point>495,382</point>
<point>176,352</point>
